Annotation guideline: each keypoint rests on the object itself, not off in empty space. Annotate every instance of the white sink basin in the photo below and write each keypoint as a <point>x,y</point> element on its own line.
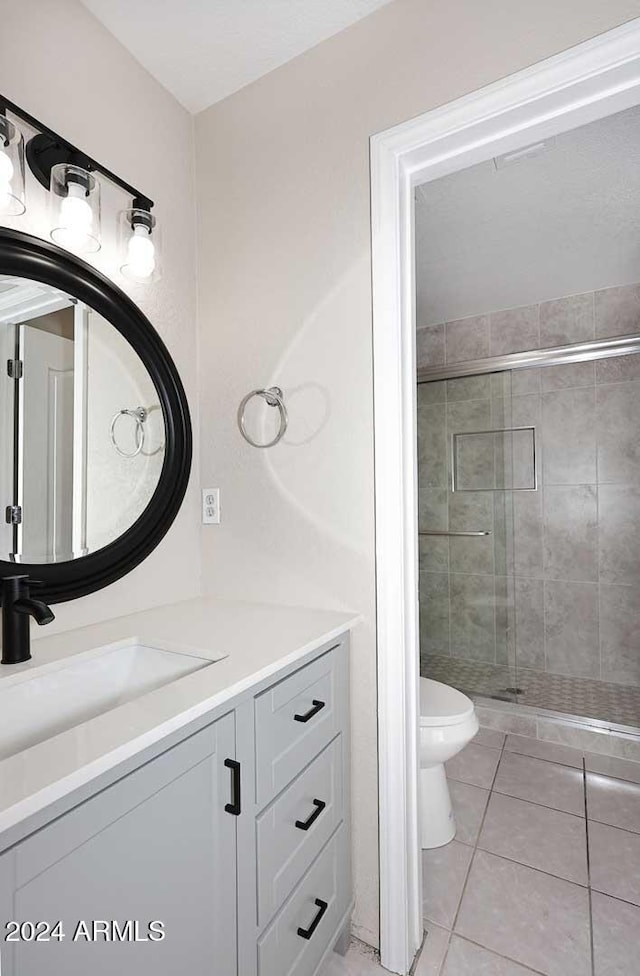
<point>35,707</point>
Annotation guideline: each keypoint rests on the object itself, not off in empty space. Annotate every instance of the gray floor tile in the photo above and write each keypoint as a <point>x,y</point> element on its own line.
<point>360,960</point>
<point>560,787</point>
<point>614,856</point>
<point>538,836</point>
<point>613,801</point>
<point>469,804</point>
<point>610,766</point>
<point>444,871</point>
<point>434,949</point>
<point>538,749</point>
<point>466,959</point>
<point>615,936</point>
<point>537,920</point>
<point>475,765</point>
<point>489,738</point>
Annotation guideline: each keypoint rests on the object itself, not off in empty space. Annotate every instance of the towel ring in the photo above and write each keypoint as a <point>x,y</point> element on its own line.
<point>139,415</point>
<point>275,398</point>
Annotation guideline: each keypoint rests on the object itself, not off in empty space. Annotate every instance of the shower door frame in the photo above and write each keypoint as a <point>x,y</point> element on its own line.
<point>583,84</point>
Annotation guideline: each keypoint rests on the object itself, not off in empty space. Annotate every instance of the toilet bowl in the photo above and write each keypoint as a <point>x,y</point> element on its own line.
<point>447,723</point>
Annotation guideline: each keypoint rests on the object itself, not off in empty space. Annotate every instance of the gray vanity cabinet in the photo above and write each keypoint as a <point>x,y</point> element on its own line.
<point>294,849</point>
<point>157,846</point>
<point>236,839</point>
<point>6,908</point>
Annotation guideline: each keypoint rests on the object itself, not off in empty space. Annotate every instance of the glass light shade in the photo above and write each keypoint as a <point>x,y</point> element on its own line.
<point>11,170</point>
<point>75,208</point>
<point>139,246</point>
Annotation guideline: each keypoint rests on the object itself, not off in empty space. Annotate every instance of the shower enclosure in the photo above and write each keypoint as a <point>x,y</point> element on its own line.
<point>529,519</point>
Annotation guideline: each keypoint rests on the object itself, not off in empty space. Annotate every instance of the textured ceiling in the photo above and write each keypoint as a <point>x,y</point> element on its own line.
<point>203,50</point>
<point>560,223</point>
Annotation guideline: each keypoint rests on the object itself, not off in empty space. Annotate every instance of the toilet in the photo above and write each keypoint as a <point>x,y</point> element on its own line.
<point>448,722</point>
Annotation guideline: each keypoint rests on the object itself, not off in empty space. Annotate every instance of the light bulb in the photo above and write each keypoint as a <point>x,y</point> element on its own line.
<point>6,175</point>
<point>76,220</point>
<point>141,260</point>
<point>6,168</point>
<point>75,211</point>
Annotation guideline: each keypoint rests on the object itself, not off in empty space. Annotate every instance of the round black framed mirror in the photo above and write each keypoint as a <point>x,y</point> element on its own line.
<point>95,432</point>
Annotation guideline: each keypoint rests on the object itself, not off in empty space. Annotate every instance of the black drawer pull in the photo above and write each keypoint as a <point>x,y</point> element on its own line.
<point>305,824</point>
<point>234,807</point>
<point>317,706</point>
<point>322,907</point>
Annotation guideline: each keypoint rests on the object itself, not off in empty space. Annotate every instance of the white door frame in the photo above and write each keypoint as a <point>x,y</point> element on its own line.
<point>585,83</point>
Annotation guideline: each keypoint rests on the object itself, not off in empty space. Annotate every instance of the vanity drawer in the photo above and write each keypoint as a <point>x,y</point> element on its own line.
<point>295,719</point>
<point>315,908</point>
<point>295,828</point>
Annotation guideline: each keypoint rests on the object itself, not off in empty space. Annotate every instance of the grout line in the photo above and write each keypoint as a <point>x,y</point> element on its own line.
<point>543,805</point>
<point>550,579</point>
<point>556,762</point>
<point>444,958</point>
<point>586,827</point>
<point>500,955</point>
<point>626,830</point>
<point>534,867</point>
<point>530,867</point>
<point>623,901</point>
<point>475,845</point>
<point>446,951</point>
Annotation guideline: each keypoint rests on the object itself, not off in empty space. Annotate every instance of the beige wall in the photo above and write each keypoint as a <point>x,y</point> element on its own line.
<point>63,67</point>
<point>284,271</point>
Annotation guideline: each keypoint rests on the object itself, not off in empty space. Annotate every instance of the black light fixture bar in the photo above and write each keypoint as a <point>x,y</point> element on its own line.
<point>140,200</point>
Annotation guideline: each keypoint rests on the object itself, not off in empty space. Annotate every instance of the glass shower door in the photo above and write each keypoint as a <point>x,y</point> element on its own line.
<point>473,461</point>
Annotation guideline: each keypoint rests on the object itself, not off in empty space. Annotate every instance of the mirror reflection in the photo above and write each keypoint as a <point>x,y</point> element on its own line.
<point>81,429</point>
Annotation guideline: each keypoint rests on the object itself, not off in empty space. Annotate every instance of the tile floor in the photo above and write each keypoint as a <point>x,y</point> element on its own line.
<point>543,876</point>
<point>360,960</point>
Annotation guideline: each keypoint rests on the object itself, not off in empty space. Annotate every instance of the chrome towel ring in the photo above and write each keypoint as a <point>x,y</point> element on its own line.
<point>274,397</point>
<point>139,415</point>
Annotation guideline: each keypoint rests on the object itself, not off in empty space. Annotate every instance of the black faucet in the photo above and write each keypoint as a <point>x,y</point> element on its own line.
<point>17,607</point>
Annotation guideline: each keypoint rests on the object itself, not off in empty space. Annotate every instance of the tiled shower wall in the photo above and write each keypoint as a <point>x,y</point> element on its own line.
<point>558,581</point>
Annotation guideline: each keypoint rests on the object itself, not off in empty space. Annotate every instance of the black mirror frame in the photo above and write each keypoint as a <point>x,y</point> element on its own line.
<point>31,257</point>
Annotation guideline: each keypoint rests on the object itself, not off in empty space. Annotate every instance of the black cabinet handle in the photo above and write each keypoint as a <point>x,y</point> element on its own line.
<point>305,824</point>
<point>234,806</point>
<point>322,907</point>
<point>317,706</point>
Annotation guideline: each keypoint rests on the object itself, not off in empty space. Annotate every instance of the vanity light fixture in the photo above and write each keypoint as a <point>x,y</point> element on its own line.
<point>11,168</point>
<point>139,244</point>
<point>73,179</point>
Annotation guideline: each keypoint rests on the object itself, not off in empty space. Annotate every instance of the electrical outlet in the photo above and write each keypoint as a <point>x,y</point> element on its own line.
<point>210,506</point>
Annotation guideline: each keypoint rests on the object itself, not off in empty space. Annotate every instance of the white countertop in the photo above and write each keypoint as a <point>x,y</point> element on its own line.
<point>258,639</point>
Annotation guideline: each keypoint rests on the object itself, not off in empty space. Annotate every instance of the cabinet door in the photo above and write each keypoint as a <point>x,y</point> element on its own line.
<point>6,910</point>
<point>158,846</point>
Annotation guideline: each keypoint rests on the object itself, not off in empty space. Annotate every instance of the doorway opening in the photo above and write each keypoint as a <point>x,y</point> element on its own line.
<point>596,80</point>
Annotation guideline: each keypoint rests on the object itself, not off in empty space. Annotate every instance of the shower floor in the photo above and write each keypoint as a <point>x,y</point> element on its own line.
<point>583,697</point>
